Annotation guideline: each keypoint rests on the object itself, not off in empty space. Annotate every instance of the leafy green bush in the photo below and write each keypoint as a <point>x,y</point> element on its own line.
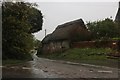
<point>104,29</point>
<point>19,21</point>
<point>96,56</point>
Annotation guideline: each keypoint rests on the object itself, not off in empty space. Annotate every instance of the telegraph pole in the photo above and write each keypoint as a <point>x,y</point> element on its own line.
<point>45,32</point>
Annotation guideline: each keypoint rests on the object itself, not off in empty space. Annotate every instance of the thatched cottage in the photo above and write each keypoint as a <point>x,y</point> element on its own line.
<point>118,14</point>
<point>64,35</point>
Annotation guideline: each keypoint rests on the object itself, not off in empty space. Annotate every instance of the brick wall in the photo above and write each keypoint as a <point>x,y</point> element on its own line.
<point>97,44</point>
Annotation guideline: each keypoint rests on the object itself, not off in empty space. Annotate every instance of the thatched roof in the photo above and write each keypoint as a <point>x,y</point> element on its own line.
<point>67,31</point>
<point>46,39</point>
<point>118,14</point>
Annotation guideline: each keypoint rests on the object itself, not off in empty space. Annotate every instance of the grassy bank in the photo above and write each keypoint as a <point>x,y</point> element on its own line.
<point>16,60</point>
<point>13,62</point>
<point>97,56</point>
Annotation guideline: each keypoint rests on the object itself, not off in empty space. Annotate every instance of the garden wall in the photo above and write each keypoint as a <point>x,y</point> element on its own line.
<point>97,44</point>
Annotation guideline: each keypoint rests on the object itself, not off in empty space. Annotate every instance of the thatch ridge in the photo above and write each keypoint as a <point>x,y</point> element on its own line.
<point>67,31</point>
<point>79,21</point>
<point>117,19</point>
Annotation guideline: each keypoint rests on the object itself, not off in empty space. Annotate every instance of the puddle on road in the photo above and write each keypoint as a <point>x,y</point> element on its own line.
<point>41,72</point>
<point>17,71</point>
<point>27,70</point>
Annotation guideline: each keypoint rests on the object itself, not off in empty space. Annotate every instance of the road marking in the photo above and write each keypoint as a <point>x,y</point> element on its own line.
<point>105,71</point>
<point>72,63</point>
<point>25,68</point>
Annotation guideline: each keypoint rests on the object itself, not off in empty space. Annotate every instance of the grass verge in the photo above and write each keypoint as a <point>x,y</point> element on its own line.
<point>13,62</point>
<point>96,56</point>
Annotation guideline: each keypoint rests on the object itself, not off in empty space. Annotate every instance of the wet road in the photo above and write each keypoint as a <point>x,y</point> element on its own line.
<point>45,68</point>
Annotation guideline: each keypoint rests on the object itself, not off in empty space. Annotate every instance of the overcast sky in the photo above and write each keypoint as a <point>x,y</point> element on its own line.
<point>56,13</point>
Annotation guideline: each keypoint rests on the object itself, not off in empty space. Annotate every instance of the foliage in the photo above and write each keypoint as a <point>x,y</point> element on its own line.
<point>17,26</point>
<point>37,44</point>
<point>24,12</point>
<point>104,29</point>
<point>36,20</point>
<point>11,62</point>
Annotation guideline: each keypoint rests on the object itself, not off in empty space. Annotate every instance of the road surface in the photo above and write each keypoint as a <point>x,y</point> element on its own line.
<point>45,68</point>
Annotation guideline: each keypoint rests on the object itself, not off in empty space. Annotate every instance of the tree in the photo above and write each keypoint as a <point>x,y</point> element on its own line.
<point>37,44</point>
<point>104,29</point>
<point>19,21</point>
<point>36,21</point>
